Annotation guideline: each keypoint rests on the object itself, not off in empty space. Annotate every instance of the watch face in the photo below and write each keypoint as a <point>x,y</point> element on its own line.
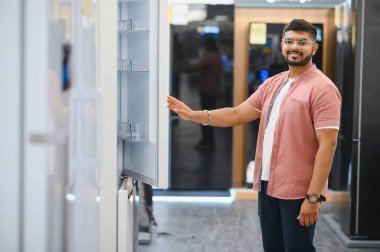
<point>313,198</point>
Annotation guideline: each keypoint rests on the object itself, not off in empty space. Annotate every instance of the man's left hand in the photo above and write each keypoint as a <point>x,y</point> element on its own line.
<point>309,213</point>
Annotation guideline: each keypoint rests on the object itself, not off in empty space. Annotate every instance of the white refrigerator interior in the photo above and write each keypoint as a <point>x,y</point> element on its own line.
<point>143,56</point>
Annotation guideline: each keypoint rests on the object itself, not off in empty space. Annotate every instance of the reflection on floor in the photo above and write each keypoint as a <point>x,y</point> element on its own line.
<point>198,169</point>
<point>219,227</point>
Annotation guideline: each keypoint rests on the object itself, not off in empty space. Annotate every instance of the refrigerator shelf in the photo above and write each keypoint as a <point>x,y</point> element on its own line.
<point>131,26</point>
<point>133,131</point>
<point>132,66</point>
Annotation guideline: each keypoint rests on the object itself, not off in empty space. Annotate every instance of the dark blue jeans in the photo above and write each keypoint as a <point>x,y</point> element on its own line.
<point>280,228</point>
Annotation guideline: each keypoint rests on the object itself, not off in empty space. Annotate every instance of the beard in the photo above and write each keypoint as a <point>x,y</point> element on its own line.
<point>301,62</point>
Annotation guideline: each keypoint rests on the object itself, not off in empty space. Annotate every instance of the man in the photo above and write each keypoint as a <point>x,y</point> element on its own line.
<point>300,114</point>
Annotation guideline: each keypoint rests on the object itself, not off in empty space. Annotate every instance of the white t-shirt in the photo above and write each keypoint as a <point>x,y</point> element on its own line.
<point>269,131</point>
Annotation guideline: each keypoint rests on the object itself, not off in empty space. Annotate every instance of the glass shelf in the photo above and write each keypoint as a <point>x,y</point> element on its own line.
<point>124,65</point>
<point>133,65</point>
<point>133,131</point>
<point>131,26</point>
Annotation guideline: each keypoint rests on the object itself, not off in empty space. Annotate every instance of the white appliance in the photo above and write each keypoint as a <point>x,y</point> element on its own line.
<point>143,67</point>
<point>10,125</point>
<point>45,100</point>
<point>143,85</point>
<point>125,232</point>
<point>55,125</point>
<point>85,133</point>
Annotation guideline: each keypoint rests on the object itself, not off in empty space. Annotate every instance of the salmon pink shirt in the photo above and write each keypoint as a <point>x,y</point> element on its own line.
<point>312,102</point>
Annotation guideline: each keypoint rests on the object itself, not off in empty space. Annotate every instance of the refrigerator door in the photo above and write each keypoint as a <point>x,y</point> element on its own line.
<point>142,89</point>
<point>10,128</point>
<point>359,220</point>
<point>85,133</point>
<point>45,124</point>
<point>344,79</point>
<point>368,121</point>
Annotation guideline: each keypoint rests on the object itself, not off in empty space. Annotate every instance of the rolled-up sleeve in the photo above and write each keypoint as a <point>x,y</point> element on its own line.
<point>326,108</point>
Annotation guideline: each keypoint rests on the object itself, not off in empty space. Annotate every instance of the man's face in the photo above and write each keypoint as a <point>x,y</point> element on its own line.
<point>298,47</point>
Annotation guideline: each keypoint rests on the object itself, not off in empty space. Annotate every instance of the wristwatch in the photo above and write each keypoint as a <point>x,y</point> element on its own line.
<point>313,198</point>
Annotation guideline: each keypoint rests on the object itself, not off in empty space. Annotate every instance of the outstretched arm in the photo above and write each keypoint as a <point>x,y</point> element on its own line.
<point>224,117</point>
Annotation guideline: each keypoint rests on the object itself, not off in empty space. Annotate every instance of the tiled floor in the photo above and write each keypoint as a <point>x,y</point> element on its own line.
<point>219,227</point>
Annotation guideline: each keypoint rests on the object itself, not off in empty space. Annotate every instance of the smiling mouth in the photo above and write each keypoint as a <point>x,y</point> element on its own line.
<point>294,54</point>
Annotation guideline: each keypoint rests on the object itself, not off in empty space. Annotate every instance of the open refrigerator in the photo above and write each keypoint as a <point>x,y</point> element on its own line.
<point>142,116</point>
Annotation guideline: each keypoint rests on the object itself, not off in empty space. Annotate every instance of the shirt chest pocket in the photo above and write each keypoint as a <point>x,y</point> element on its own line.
<point>298,111</point>
<point>297,107</point>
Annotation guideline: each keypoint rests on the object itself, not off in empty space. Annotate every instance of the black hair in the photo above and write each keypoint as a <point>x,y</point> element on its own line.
<point>301,25</point>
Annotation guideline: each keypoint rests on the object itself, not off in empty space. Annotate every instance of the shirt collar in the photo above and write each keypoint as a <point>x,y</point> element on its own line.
<point>309,69</point>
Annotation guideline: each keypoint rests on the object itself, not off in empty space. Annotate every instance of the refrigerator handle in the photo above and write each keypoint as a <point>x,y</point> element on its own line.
<point>77,158</point>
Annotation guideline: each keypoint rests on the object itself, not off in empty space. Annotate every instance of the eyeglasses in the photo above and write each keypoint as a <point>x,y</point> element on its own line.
<point>300,42</point>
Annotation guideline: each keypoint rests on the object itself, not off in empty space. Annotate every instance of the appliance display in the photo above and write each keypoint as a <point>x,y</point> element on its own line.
<point>62,127</point>
<point>360,140</point>
<point>142,116</point>
<point>85,132</point>
<point>143,42</point>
